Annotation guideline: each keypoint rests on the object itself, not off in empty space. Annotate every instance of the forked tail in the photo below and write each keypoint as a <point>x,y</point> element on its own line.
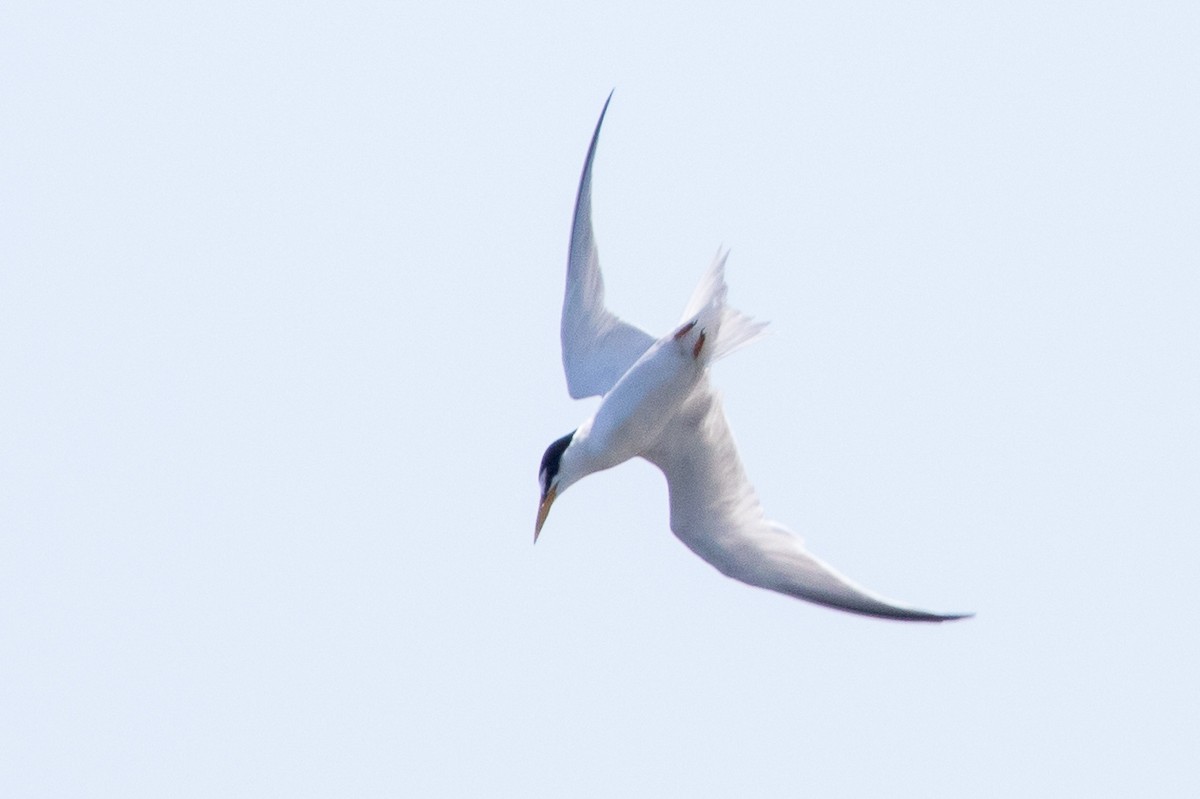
<point>726,328</point>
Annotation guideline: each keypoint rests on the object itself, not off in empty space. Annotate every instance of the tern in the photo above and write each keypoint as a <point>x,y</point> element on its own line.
<point>658,404</point>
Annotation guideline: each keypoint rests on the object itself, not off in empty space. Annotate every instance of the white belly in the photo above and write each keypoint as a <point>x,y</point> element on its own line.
<point>633,415</point>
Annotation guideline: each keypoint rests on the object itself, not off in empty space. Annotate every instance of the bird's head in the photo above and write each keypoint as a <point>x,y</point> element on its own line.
<point>553,478</point>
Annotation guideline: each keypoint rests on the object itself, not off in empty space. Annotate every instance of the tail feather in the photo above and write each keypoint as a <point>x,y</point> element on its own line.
<point>727,328</point>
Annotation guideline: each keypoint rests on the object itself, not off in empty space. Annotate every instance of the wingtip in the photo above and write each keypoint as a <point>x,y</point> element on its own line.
<point>603,111</point>
<point>952,616</point>
<point>585,179</point>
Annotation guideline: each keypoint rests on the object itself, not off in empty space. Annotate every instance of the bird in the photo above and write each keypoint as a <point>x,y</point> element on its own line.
<point>658,403</point>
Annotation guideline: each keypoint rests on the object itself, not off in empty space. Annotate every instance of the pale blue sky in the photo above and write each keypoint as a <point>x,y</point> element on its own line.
<point>279,296</point>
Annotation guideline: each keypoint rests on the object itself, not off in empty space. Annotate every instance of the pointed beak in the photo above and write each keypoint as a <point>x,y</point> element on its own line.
<point>544,511</point>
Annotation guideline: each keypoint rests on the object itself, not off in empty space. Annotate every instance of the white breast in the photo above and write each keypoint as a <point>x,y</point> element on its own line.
<point>634,414</point>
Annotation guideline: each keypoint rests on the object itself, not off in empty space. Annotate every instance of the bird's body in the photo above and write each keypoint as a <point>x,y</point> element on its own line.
<point>645,400</point>
<point>658,404</point>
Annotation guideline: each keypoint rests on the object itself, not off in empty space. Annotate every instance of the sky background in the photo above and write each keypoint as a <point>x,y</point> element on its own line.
<point>279,297</point>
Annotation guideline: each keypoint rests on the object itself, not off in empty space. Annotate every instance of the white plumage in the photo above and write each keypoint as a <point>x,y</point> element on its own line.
<point>658,404</point>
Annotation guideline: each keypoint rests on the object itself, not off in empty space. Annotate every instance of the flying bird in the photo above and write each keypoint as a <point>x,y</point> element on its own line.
<point>658,404</point>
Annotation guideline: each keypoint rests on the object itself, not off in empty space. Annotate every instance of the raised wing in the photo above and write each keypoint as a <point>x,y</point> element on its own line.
<point>715,513</point>
<point>597,347</point>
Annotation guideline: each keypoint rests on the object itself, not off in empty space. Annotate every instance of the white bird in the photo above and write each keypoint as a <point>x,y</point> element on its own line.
<point>658,404</point>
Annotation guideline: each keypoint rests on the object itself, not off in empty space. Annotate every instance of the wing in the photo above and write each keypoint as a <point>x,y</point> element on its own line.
<point>715,513</point>
<point>597,347</point>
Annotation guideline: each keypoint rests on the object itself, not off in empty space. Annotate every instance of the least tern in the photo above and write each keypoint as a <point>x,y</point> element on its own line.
<point>658,404</point>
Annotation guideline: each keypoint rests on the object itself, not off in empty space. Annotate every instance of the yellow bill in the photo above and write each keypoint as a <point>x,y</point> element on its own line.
<point>544,511</point>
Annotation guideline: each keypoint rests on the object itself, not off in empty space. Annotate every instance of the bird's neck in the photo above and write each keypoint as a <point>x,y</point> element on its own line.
<point>590,452</point>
